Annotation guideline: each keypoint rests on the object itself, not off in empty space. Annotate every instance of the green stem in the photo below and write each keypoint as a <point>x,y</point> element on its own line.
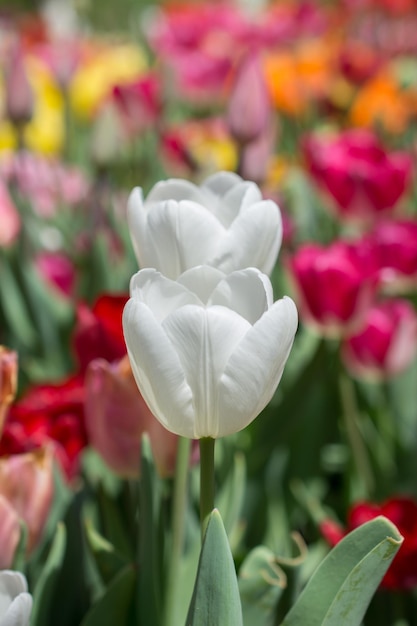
<point>358,448</point>
<point>179,505</point>
<point>206,481</point>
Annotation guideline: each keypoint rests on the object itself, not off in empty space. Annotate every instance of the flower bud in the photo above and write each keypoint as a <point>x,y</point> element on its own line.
<point>117,416</point>
<point>249,108</point>
<point>19,94</point>
<point>16,602</point>
<point>335,286</point>
<point>386,345</point>
<point>26,482</point>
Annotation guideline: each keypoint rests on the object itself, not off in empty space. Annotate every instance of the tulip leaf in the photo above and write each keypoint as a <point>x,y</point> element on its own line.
<point>342,586</point>
<point>216,597</point>
<point>108,560</point>
<point>19,557</point>
<point>45,586</point>
<point>15,308</point>
<point>116,604</point>
<point>261,583</point>
<point>230,499</point>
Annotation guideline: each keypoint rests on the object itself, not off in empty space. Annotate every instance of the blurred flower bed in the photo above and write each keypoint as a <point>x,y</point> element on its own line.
<point>316,103</point>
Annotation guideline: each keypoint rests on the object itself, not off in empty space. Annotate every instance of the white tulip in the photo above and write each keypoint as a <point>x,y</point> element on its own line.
<point>15,601</point>
<point>208,350</point>
<point>224,223</point>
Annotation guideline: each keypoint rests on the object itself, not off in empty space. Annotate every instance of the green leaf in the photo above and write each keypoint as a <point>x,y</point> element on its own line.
<point>115,606</point>
<point>14,306</point>
<point>342,586</point>
<point>261,583</point>
<point>108,560</point>
<point>216,597</point>
<point>45,586</point>
<point>230,499</point>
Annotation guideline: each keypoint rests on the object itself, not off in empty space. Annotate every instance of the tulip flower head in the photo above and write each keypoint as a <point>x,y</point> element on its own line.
<point>208,350</point>
<point>386,345</point>
<point>335,286</point>
<point>224,223</point>
<point>362,178</point>
<point>15,601</point>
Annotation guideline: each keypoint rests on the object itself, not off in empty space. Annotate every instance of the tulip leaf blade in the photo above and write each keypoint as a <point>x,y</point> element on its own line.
<point>108,560</point>
<point>45,586</point>
<point>344,583</point>
<point>215,597</point>
<point>261,584</point>
<point>230,499</point>
<point>116,604</point>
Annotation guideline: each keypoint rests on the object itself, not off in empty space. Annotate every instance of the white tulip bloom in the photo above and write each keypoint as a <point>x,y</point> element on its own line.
<point>15,601</point>
<point>224,223</point>
<point>208,350</point>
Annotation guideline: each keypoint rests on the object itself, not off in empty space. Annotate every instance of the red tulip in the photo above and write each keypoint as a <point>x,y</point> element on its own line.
<point>402,511</point>
<point>49,414</point>
<point>117,416</point>
<point>362,178</point>
<point>335,286</point>
<point>387,343</point>
<point>99,332</point>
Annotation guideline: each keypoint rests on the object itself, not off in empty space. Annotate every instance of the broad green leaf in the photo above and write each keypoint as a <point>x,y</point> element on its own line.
<point>342,586</point>
<point>14,306</point>
<point>215,598</point>
<point>261,583</point>
<point>45,585</point>
<point>108,560</point>
<point>115,606</point>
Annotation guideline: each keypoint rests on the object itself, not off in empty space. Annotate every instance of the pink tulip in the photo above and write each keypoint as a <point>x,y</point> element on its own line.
<point>26,482</point>
<point>249,108</point>
<point>386,345</point>
<point>9,218</point>
<point>19,95</point>
<point>354,169</point>
<point>117,416</point>
<point>395,244</point>
<point>335,286</point>
<point>57,270</point>
<point>139,103</point>
<point>9,532</point>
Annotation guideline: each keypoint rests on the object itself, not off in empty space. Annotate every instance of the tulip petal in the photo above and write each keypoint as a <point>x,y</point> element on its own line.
<point>221,182</point>
<point>253,239</point>
<point>161,294</point>
<point>158,372</point>
<point>204,339</point>
<point>15,602</point>
<point>177,236</point>
<point>247,292</point>
<point>255,368</point>
<point>236,200</point>
<point>175,189</point>
<point>201,280</point>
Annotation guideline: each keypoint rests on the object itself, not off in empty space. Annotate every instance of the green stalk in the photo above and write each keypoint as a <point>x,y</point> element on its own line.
<point>354,435</point>
<point>206,481</point>
<point>179,505</point>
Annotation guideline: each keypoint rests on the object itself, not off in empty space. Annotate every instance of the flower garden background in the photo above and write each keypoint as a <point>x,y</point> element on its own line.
<point>266,139</point>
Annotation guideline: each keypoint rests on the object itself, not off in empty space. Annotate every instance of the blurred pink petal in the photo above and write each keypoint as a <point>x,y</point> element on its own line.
<point>26,482</point>
<point>9,532</point>
<point>117,416</point>
<point>9,218</point>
